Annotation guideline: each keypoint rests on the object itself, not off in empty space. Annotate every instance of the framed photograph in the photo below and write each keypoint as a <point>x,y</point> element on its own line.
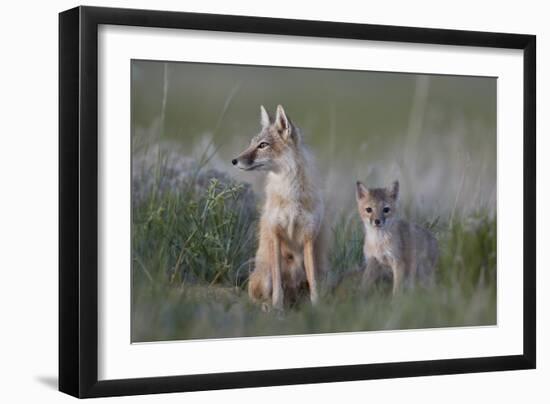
<point>251,201</point>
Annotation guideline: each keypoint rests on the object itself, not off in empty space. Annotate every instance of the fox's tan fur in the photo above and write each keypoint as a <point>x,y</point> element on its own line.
<point>409,251</point>
<point>290,256</point>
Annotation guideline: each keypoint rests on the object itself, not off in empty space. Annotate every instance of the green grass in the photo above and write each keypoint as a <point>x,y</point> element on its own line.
<point>192,250</point>
<point>197,235</point>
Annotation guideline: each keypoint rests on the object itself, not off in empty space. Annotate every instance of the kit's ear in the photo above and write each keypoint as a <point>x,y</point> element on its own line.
<point>394,190</point>
<point>282,123</point>
<point>265,119</point>
<point>361,190</point>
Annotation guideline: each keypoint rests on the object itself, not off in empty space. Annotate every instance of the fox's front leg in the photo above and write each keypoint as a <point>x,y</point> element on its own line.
<point>370,274</point>
<point>398,269</point>
<point>277,287</point>
<point>309,262</point>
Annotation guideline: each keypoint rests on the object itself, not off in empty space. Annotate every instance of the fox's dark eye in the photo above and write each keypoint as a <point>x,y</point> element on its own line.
<point>386,210</point>
<point>263,145</point>
<point>369,209</point>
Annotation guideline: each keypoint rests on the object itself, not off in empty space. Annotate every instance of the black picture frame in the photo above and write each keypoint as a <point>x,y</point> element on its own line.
<point>78,201</point>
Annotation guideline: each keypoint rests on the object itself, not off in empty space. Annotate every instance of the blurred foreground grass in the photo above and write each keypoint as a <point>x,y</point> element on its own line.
<point>192,247</point>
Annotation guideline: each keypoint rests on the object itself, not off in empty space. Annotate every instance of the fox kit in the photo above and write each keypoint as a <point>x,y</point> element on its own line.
<point>289,258</point>
<point>408,250</point>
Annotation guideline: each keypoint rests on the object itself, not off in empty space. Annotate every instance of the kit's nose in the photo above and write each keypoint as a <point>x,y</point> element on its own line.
<point>234,162</point>
<point>377,222</point>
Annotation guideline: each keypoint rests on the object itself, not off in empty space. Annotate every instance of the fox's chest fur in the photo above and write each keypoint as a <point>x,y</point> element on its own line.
<point>382,245</point>
<point>293,208</point>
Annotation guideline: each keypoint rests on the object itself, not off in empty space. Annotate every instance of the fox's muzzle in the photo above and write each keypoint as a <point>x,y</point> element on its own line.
<point>246,160</point>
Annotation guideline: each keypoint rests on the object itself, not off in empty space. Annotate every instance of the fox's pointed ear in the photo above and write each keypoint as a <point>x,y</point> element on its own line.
<point>394,190</point>
<point>360,190</point>
<point>282,122</point>
<point>265,119</point>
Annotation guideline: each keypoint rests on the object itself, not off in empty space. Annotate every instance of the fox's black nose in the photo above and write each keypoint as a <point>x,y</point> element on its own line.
<point>377,222</point>
<point>234,162</point>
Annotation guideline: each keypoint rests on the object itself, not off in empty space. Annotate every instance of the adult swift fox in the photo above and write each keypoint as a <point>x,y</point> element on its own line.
<point>290,257</point>
<point>408,250</point>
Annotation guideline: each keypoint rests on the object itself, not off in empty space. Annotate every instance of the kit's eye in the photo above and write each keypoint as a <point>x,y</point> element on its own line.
<point>263,145</point>
<point>369,209</point>
<point>386,209</point>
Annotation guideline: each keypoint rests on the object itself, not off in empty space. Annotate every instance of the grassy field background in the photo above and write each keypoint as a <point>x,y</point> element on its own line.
<point>194,216</point>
